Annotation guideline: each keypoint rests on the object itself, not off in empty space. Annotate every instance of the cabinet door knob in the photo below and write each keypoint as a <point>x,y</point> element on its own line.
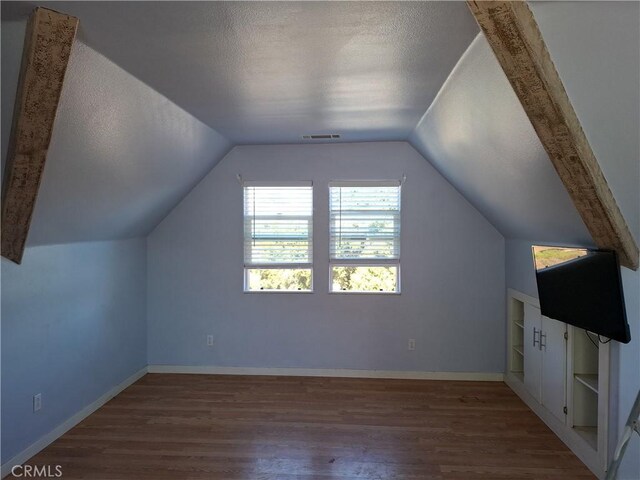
<point>543,343</point>
<point>536,332</point>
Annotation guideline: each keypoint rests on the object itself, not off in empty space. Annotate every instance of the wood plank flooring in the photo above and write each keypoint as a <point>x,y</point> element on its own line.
<point>245,427</point>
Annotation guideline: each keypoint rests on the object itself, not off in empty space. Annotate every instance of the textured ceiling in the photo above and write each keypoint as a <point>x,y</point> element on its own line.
<point>269,72</point>
<point>478,136</point>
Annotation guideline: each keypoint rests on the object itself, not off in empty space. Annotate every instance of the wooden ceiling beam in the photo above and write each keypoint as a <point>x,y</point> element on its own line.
<point>47,48</point>
<point>515,38</point>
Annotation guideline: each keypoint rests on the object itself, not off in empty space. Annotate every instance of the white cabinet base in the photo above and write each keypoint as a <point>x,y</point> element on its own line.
<point>576,443</point>
<point>554,367</point>
<point>532,352</point>
<point>562,377</point>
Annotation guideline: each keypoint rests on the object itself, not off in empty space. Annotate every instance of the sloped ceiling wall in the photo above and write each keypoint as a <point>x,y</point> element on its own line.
<point>596,49</point>
<point>478,136</point>
<point>121,157</point>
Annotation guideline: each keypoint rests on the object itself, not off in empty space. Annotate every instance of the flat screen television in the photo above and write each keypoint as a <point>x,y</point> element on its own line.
<point>582,287</point>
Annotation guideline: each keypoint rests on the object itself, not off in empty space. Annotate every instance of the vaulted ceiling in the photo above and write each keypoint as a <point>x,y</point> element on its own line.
<point>270,72</point>
<point>158,92</point>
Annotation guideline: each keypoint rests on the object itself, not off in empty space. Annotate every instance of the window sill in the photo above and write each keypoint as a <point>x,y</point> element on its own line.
<point>296,292</point>
<point>364,293</point>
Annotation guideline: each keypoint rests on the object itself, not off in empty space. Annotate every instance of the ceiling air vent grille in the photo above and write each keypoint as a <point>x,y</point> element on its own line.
<point>327,136</point>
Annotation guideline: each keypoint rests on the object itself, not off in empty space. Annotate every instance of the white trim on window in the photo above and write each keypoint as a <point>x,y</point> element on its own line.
<point>365,227</point>
<point>278,231</point>
<point>260,183</point>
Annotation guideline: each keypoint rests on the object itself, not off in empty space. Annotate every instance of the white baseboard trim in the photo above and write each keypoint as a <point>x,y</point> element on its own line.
<point>571,439</point>
<point>328,372</point>
<point>67,425</point>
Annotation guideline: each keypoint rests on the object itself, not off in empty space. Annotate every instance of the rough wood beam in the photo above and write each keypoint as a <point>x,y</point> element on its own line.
<point>517,42</point>
<point>47,47</point>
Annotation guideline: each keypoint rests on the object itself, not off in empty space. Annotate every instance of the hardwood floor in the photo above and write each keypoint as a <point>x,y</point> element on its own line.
<point>241,427</point>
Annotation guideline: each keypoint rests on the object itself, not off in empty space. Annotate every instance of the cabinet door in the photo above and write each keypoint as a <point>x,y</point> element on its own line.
<point>554,367</point>
<point>532,353</point>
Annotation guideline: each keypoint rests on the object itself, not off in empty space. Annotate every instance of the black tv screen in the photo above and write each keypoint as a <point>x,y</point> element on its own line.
<point>582,287</point>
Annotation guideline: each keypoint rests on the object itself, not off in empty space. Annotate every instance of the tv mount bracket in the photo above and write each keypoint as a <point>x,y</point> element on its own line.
<point>633,425</point>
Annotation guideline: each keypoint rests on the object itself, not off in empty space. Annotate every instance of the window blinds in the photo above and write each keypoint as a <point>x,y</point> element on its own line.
<point>278,224</point>
<point>364,220</point>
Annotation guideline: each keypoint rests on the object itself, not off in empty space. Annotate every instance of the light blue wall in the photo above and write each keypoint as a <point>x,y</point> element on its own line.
<point>73,327</point>
<point>520,274</point>
<point>453,290</point>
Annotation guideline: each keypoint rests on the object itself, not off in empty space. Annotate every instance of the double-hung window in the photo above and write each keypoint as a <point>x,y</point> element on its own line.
<point>364,239</point>
<point>278,232</point>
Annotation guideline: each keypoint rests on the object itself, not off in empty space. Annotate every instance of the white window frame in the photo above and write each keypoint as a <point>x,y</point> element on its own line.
<point>366,262</point>
<point>277,266</point>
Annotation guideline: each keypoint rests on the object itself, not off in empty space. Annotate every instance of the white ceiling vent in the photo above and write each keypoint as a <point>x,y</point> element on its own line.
<point>327,136</point>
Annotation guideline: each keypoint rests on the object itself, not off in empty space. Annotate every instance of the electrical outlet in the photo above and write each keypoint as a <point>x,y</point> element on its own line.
<point>412,344</point>
<point>209,340</point>
<point>37,402</point>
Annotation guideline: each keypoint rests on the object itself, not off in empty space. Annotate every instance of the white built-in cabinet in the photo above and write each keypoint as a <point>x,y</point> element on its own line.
<point>532,356</point>
<point>545,359</point>
<point>563,375</point>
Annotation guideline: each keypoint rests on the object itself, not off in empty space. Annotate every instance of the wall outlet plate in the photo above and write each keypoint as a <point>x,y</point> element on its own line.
<point>412,344</point>
<point>37,402</point>
<point>209,340</point>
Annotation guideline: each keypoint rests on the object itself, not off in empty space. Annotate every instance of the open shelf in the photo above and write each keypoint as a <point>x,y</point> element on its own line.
<point>566,383</point>
<point>516,340</point>
<point>589,434</point>
<point>589,380</point>
<point>585,388</point>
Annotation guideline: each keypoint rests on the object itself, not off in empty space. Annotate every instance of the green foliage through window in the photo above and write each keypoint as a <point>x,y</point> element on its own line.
<point>353,278</point>
<point>260,279</point>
